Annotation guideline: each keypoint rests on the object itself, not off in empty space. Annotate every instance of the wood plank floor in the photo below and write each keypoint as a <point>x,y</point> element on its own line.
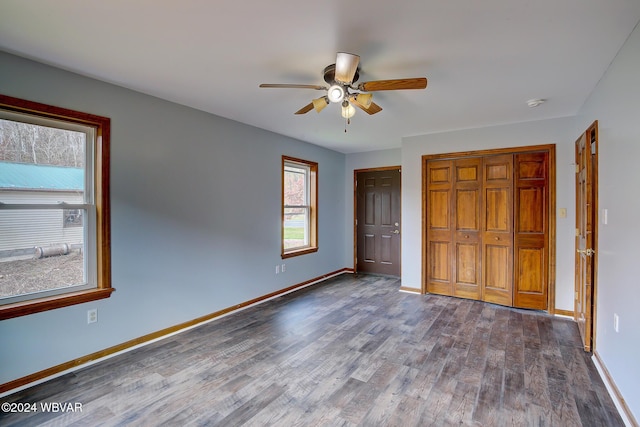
<point>351,351</point>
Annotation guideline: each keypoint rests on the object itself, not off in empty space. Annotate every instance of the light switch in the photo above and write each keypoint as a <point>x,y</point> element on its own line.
<point>605,214</point>
<point>563,212</point>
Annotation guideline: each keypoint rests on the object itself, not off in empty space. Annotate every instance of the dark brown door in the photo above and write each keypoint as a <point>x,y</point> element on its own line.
<point>378,221</point>
<point>586,149</point>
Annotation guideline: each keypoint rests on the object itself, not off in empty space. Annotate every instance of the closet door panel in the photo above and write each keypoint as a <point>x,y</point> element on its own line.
<point>497,274</point>
<point>497,237</point>
<point>531,247</point>
<point>467,200</point>
<point>439,229</point>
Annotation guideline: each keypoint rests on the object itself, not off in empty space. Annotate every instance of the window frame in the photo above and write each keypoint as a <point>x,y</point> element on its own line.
<point>312,198</point>
<point>101,235</point>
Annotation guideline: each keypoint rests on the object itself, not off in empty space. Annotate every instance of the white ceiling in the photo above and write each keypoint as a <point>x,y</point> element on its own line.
<point>483,59</point>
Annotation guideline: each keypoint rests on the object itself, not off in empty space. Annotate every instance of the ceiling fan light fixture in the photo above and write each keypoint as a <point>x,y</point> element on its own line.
<point>348,110</point>
<point>320,103</point>
<point>335,93</point>
<point>364,99</point>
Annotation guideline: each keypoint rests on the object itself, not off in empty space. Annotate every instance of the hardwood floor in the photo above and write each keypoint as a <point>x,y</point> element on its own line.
<point>350,351</point>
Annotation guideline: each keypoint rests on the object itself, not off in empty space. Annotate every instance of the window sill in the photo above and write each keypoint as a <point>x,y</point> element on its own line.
<point>303,251</point>
<point>24,308</point>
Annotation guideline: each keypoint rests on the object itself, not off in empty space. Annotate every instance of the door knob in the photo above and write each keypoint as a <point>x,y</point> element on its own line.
<point>396,231</point>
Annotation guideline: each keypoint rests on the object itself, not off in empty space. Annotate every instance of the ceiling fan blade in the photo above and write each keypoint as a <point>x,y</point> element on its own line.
<point>373,108</point>
<point>346,67</point>
<point>305,109</point>
<point>397,84</point>
<point>292,86</point>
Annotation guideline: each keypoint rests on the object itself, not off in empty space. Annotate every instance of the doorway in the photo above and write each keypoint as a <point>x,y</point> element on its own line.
<point>586,260</point>
<point>377,221</point>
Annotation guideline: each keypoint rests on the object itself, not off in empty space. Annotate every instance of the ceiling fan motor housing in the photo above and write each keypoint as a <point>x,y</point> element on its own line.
<point>337,90</point>
<point>329,74</point>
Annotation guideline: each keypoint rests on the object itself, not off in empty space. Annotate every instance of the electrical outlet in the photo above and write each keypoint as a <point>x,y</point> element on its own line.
<point>92,315</point>
<point>616,322</point>
<point>283,268</point>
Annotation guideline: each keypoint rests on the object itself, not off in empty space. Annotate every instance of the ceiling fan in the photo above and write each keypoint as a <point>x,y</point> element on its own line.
<point>341,78</point>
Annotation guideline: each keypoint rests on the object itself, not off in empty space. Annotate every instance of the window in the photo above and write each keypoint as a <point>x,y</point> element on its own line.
<point>54,207</point>
<point>299,207</point>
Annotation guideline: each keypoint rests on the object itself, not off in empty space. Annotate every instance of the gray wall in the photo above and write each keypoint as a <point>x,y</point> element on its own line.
<point>195,218</point>
<point>614,103</point>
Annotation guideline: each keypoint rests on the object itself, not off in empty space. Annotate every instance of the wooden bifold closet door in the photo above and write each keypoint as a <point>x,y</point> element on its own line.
<point>497,234</point>
<point>487,227</point>
<point>454,249</point>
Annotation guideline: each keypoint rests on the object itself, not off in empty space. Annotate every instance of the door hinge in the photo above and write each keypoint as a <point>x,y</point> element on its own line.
<point>577,232</point>
<point>577,168</point>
